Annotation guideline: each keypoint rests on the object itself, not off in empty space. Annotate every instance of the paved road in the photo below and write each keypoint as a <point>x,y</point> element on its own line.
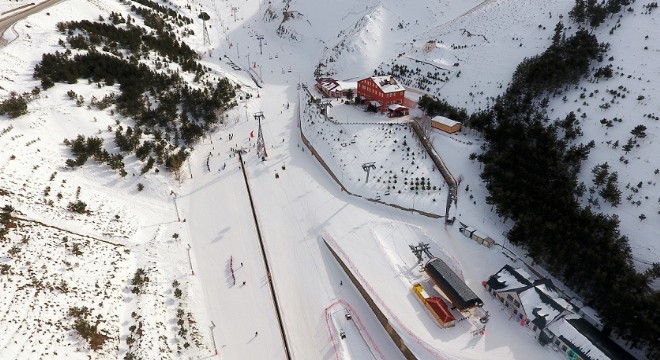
<point>7,22</point>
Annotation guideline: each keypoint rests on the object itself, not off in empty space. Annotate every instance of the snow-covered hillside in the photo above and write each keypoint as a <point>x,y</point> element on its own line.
<point>231,260</point>
<point>400,171</point>
<point>63,268</point>
<point>475,56</point>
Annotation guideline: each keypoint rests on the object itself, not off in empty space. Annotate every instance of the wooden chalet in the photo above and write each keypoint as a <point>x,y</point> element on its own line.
<point>396,110</point>
<point>330,87</point>
<point>445,124</point>
<point>536,304</point>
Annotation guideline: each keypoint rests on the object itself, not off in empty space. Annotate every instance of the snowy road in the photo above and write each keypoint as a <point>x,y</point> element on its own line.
<point>8,21</point>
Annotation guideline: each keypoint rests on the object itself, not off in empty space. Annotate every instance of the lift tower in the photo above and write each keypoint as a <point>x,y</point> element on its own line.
<point>366,167</point>
<point>261,146</point>
<point>204,16</point>
<point>260,38</point>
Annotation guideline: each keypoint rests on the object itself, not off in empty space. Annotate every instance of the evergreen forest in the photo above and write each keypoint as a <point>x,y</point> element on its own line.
<point>169,113</point>
<point>530,167</point>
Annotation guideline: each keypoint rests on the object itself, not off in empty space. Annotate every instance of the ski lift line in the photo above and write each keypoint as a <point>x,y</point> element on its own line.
<point>278,313</point>
<point>642,261</point>
<point>308,209</point>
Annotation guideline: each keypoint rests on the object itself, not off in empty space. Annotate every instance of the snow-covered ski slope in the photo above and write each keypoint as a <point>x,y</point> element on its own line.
<point>296,210</point>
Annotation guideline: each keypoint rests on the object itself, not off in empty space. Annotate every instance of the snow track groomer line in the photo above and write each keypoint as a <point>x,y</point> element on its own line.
<point>263,253</point>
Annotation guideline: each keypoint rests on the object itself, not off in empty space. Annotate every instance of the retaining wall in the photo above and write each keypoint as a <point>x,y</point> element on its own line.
<point>318,157</point>
<point>452,194</point>
<point>379,314</point>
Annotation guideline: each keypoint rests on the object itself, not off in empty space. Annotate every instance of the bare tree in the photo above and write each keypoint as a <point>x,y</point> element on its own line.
<point>426,125</point>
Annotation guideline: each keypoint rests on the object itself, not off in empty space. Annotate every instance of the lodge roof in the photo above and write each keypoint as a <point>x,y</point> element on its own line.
<point>509,278</point>
<point>329,84</point>
<point>445,121</point>
<point>584,339</point>
<point>396,107</point>
<point>386,84</point>
<point>440,308</point>
<point>452,285</point>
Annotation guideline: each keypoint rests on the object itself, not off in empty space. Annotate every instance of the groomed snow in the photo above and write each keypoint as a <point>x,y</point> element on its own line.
<point>297,211</point>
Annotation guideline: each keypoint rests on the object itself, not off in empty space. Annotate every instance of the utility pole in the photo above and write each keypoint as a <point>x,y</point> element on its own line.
<point>213,337</point>
<point>178,218</point>
<point>233,11</point>
<point>260,38</point>
<point>190,261</point>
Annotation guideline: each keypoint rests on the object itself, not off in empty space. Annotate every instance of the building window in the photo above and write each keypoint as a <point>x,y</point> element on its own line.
<point>515,311</point>
<point>557,342</point>
<point>509,297</point>
<point>506,304</point>
<point>563,347</point>
<point>534,328</point>
<point>516,303</point>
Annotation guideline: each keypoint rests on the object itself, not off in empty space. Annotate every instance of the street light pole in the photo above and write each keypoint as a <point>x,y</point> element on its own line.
<point>213,337</point>
<point>178,218</point>
<point>190,261</point>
